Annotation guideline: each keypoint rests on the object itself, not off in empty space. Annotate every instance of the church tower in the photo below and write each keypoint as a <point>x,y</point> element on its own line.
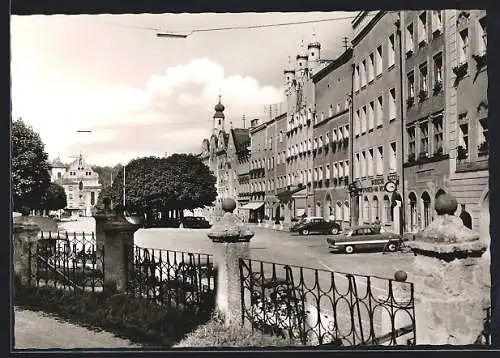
<point>218,117</point>
<point>313,52</point>
<point>289,73</point>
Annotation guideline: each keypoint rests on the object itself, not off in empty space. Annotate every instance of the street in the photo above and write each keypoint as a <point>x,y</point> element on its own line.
<point>268,245</point>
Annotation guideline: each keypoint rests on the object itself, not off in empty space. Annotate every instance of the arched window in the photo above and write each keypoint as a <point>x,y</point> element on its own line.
<point>328,205</point>
<point>426,205</point>
<point>338,211</point>
<point>386,214</point>
<point>366,209</point>
<point>413,210</point>
<point>346,211</point>
<point>439,193</point>
<point>375,209</point>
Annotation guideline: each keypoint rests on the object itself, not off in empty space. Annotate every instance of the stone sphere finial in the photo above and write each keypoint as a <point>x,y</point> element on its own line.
<point>400,276</point>
<point>446,204</point>
<point>228,205</point>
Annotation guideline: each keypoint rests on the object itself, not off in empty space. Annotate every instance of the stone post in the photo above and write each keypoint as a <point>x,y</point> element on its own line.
<point>231,239</point>
<point>450,292</point>
<point>115,232</point>
<point>397,217</point>
<point>25,236</point>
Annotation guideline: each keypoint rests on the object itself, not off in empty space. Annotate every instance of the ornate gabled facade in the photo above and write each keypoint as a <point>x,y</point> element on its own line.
<point>82,187</point>
<point>222,153</point>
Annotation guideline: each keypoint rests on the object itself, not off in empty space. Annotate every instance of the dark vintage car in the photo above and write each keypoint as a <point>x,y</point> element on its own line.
<point>367,237</point>
<point>315,224</point>
<point>161,223</point>
<point>194,222</point>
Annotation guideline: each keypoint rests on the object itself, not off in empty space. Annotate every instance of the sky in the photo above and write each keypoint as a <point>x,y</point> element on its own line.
<point>141,95</point>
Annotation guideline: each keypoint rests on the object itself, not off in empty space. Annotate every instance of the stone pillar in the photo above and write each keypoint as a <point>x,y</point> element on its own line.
<point>231,239</point>
<point>25,236</point>
<point>450,292</point>
<point>115,233</point>
<point>397,217</point>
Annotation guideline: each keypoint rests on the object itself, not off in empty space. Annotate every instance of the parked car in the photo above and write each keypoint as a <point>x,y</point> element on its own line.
<point>195,222</point>
<point>363,238</point>
<point>315,224</point>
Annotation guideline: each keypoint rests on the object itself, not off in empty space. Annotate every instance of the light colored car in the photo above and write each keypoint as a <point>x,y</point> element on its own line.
<point>364,237</point>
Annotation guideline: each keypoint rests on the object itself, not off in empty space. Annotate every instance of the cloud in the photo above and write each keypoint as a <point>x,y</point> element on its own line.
<point>171,113</point>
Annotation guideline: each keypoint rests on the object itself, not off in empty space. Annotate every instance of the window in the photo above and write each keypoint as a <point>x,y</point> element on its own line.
<point>370,162</point>
<point>463,50</point>
<point>392,157</point>
<point>438,68</point>
<point>346,131</point>
<point>363,164</point>
<point>409,39</point>
<point>391,55</point>
<point>356,78</point>
<point>346,168</point>
<point>70,197</point>
<point>422,28</point>
<point>357,164</point>
<point>380,111</point>
<point>378,61</point>
<point>363,73</point>
<point>482,141</point>
<point>320,142</point>
<point>338,108</point>
<point>371,115</point>
<point>437,23</point>
<point>71,188</point>
<point>346,104</point>
<point>320,173</point>
<point>424,139</point>
<point>327,138</point>
<point>386,214</point>
<point>309,144</point>
<point>335,170</point>
<point>463,139</point>
<point>341,170</point>
<point>392,104</point>
<point>315,174</point>
<point>309,175</point>
<point>371,67</point>
<point>366,209</point>
<point>375,209</point>
<point>330,111</point>
<point>346,211</point>
<point>411,85</point>
<point>423,78</point>
<point>327,172</point>
<point>356,123</point>
<point>315,143</point>
<point>59,175</point>
<point>363,120</point>
<point>412,146</point>
<point>426,201</point>
<point>380,160</point>
<point>281,136</point>
<point>438,135</point>
<point>482,40</point>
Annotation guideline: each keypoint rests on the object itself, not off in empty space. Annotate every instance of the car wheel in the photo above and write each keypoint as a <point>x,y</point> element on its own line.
<point>392,247</point>
<point>349,249</point>
<point>334,231</point>
<point>304,232</point>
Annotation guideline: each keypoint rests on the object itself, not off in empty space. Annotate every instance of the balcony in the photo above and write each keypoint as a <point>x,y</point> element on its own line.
<point>461,70</point>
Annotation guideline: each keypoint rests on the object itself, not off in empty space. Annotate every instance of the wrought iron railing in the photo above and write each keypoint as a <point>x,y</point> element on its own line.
<point>174,278</point>
<point>69,261</point>
<point>321,307</point>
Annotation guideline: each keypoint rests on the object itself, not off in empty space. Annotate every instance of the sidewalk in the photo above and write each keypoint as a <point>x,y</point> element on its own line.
<point>37,330</point>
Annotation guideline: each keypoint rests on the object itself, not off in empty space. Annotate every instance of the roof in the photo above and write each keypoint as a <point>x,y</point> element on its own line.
<point>333,65</point>
<point>56,163</point>
<point>241,138</point>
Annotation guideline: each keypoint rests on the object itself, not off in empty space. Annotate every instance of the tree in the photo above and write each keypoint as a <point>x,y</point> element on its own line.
<point>30,169</point>
<point>107,173</point>
<point>180,181</point>
<point>54,198</point>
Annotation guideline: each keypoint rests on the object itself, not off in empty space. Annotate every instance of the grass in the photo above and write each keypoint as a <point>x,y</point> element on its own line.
<point>215,334</point>
<point>137,320</point>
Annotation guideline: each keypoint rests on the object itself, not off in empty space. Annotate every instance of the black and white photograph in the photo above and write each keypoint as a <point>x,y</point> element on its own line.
<point>213,180</point>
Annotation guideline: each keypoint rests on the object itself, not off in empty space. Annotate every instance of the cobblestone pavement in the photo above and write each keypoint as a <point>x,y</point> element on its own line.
<point>36,330</point>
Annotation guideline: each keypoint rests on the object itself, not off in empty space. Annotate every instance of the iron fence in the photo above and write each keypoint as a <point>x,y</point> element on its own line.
<point>319,307</point>
<point>69,261</point>
<point>174,278</point>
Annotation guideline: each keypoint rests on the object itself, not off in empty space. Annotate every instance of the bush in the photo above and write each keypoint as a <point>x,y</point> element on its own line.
<point>215,334</point>
<point>138,320</point>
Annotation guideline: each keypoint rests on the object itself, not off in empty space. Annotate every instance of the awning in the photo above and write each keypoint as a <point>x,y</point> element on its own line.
<point>299,193</point>
<point>253,205</point>
<point>300,212</point>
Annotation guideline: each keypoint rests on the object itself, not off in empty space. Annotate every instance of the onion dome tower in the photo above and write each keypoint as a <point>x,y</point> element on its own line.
<point>289,73</point>
<point>218,117</point>
<point>313,52</point>
<point>302,60</point>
